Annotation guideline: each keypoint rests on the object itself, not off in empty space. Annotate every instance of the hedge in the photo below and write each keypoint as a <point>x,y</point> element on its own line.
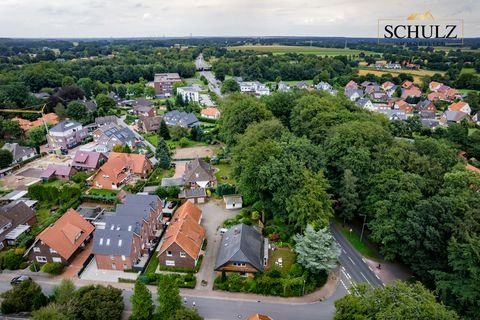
<point>98,198</point>
<point>54,268</point>
<point>203,119</point>
<point>183,280</point>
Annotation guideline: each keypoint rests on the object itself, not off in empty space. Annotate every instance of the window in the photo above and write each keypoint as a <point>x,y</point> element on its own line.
<point>182,254</point>
<point>101,241</point>
<point>114,267</point>
<point>41,259</point>
<point>169,253</point>
<point>112,257</point>
<point>57,259</point>
<point>53,250</point>
<point>120,242</point>
<point>170,263</point>
<point>123,258</point>
<point>36,249</point>
<point>125,267</point>
<point>238,264</point>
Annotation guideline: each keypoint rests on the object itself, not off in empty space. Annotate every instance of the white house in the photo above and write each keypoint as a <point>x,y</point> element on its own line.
<point>323,86</point>
<point>254,87</point>
<point>460,106</point>
<point>233,202</point>
<point>189,93</point>
<point>366,104</point>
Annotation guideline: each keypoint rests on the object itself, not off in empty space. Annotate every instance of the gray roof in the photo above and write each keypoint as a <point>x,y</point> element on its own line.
<point>198,170</point>
<point>167,182</point>
<point>64,126</point>
<point>423,104</point>
<point>242,244</point>
<point>394,114</point>
<point>144,102</point>
<point>427,114</point>
<point>231,199</point>
<point>183,119</point>
<point>455,116</point>
<point>18,151</point>
<point>90,213</point>
<point>124,135</point>
<point>430,123</point>
<point>106,241</point>
<point>106,120</point>
<point>362,102</point>
<point>192,193</point>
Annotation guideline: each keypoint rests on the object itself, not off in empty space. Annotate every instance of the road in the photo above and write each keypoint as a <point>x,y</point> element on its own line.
<point>139,137</point>
<point>201,64</point>
<point>213,83</point>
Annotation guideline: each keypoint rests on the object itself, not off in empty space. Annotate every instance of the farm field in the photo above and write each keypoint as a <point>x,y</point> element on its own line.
<point>417,74</point>
<point>468,71</point>
<point>280,49</point>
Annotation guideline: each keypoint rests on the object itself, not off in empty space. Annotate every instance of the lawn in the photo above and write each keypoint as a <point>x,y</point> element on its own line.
<point>103,192</point>
<point>287,256</point>
<point>417,74</point>
<point>282,49</point>
<point>360,246</point>
<point>152,138</point>
<point>224,170</point>
<point>292,83</point>
<point>152,264</point>
<point>468,71</point>
<point>472,130</point>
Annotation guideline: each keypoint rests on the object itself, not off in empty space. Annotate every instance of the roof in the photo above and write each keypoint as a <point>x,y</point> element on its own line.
<point>185,230</point>
<point>90,213</point>
<point>159,77</point>
<point>394,114</point>
<point>457,106</point>
<point>175,181</point>
<point>106,120</point>
<point>362,102</point>
<point>141,102</point>
<point>14,195</point>
<point>118,161</point>
<point>117,237</point>
<point>177,118</point>
<point>192,193</point>
<point>56,170</point>
<point>151,123</point>
<point>86,159</point>
<point>231,199</point>
<point>64,126</point>
<point>243,244</point>
<point>259,316</point>
<point>16,213</point>
<point>142,108</point>
<point>455,116</point>
<point>67,234</point>
<point>198,170</point>
<point>210,111</point>
<point>17,150</point>
<point>436,95</point>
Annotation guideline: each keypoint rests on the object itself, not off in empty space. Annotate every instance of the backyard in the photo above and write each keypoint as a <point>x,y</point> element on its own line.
<point>224,173</point>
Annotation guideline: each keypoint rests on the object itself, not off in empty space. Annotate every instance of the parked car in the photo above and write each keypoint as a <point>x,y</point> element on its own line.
<point>172,205</point>
<point>19,279</point>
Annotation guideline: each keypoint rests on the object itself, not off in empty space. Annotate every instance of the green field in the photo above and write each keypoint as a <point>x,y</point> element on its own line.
<point>417,74</point>
<point>279,49</point>
<point>468,71</point>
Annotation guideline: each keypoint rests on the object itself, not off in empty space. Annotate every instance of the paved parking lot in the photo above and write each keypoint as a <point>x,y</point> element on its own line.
<point>214,213</point>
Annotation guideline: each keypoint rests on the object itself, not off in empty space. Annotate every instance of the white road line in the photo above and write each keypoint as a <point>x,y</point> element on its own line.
<point>370,268</point>
<point>351,260</point>
<point>376,275</point>
<point>346,274</point>
<point>365,277</point>
<point>346,288</point>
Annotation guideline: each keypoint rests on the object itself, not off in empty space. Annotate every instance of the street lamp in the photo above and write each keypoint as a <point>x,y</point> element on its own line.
<point>363,226</point>
<point>303,293</point>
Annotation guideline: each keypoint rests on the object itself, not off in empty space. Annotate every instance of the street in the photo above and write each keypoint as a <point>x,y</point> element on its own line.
<point>213,83</point>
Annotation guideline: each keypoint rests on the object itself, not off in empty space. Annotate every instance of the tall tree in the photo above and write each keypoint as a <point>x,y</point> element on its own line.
<point>163,130</point>
<point>60,111</point>
<point>317,250</point>
<point>396,301</point>
<point>142,303</point>
<point>77,111</point>
<point>168,297</point>
<point>6,158</point>
<point>98,302</point>
<point>348,200</point>
<point>27,296</point>
<point>64,293</point>
<point>163,154</point>
<point>105,102</point>
<point>36,136</point>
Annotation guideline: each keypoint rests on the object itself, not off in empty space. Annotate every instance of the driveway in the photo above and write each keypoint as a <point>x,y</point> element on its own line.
<point>71,270</point>
<point>214,213</point>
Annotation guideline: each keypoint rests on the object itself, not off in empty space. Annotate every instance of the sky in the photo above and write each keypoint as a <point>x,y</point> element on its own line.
<point>179,18</point>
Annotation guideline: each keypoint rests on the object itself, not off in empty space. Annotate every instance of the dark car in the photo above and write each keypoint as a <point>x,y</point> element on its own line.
<point>172,205</point>
<point>19,279</point>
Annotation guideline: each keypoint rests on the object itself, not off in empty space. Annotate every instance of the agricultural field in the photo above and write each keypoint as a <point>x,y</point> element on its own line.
<point>279,49</point>
<point>469,71</point>
<point>417,74</point>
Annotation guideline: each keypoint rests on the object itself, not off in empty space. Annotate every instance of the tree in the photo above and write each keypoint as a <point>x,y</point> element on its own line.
<point>10,128</point>
<point>64,293</point>
<point>178,132</point>
<point>398,92</point>
<point>6,158</point>
<point>230,85</point>
<point>87,86</point>
<point>51,312</point>
<point>473,145</point>
<point>168,297</point>
<point>105,102</point>
<point>77,111</point>
<point>97,302</point>
<point>67,81</point>
<point>397,301</point>
<point>163,130</point>
<point>36,136</point>
<point>163,154</point>
<point>27,296</point>
<point>348,195</point>
<point>60,111</point>
<point>142,304</point>
<point>310,204</point>
<point>317,250</point>
<point>150,92</point>
<point>186,314</point>
<point>121,148</point>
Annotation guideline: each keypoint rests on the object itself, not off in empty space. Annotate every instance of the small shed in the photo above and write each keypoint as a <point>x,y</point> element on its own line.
<point>233,201</point>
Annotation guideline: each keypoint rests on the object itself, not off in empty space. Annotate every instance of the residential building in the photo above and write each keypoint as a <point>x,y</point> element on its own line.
<point>190,93</point>
<point>49,118</point>
<point>254,87</point>
<point>302,85</point>
<point>387,85</point>
<point>15,219</point>
<point>149,124</point>
<point>102,121</point>
<point>404,106</point>
<point>110,135</point>
<point>324,86</point>
<point>183,240</point>
<point>196,195</point>
<point>351,85</point>
<point>411,91</point>
<point>242,249</point>
<point>210,113</point>
<point>58,171</point>
<point>283,86</point>
<point>449,117</point>
<point>19,153</point>
<point>62,240</point>
<point>163,83</point>
<point>460,106</point>
<point>426,105</point>
<point>144,111</point>
<point>233,201</point>
<point>366,104</point>
<point>66,135</point>
<point>453,94</point>
<point>182,119</point>
<point>88,160</point>
<point>199,173</point>
<point>353,95</point>
<point>434,86</point>
<point>259,316</point>
<point>394,114</point>
<point>393,66</point>
<point>119,169</point>
<point>432,96</point>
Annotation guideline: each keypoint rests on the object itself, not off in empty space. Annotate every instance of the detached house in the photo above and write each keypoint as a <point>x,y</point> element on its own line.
<point>58,171</point>
<point>119,168</point>
<point>198,173</point>
<point>182,119</point>
<point>210,113</point>
<point>88,160</point>
<point>61,240</point>
<point>460,106</point>
<point>242,249</point>
<point>66,135</point>
<point>149,124</point>
<point>19,153</point>
<point>15,219</point>
<point>110,135</point>
<point>426,105</point>
<point>183,239</point>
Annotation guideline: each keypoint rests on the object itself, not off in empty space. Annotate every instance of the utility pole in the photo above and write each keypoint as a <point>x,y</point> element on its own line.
<point>363,226</point>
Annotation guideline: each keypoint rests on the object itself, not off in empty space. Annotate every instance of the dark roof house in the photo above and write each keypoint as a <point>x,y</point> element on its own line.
<point>15,218</point>
<point>182,119</point>
<point>199,173</point>
<point>89,160</point>
<point>19,153</point>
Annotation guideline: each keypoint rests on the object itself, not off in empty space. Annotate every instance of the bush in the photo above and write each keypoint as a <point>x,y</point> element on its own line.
<point>183,142</point>
<point>80,177</point>
<point>35,267</point>
<point>11,260</point>
<point>25,297</point>
<point>54,268</point>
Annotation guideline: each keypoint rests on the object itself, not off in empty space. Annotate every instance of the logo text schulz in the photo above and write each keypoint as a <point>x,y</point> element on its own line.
<point>423,31</point>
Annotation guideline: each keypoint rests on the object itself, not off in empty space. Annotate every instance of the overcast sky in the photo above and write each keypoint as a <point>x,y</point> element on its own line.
<point>156,18</point>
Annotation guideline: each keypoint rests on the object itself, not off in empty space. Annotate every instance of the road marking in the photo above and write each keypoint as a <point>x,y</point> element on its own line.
<point>370,268</point>
<point>376,275</point>
<point>365,277</point>
<point>351,260</point>
<point>343,283</point>
<point>346,274</point>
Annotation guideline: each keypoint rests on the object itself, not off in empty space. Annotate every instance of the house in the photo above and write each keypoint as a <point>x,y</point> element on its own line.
<point>253,87</point>
<point>283,86</point>
<point>58,171</point>
<point>365,103</point>
<point>163,83</point>
<point>258,316</point>
<point>62,240</point>
<point>120,168</point>
<point>144,111</point>
<point>302,85</point>
<point>379,96</point>
<point>233,201</point>
<point>393,66</point>
<point>426,105</point>
<point>407,84</point>
<point>66,135</point>
<point>182,119</point>
<point>460,106</point>
<point>102,121</point>
<point>434,86</point>
<point>394,114</point>
<point>190,93</point>
<point>15,219</point>
<point>210,113</point>
<point>449,117</point>
<point>92,214</point>
<point>149,124</point>
<point>196,195</point>
<point>432,96</point>
<point>430,123</point>
<point>88,160</point>
<point>19,153</point>
<point>242,249</point>
<point>183,239</point>
<point>353,95</point>
<point>129,234</point>
<point>110,135</point>
<point>91,105</point>
<point>387,85</point>
<point>453,94</point>
<point>425,114</point>
<point>404,106</point>
<point>198,173</point>
<point>351,85</point>
<point>411,91</point>
<point>49,118</point>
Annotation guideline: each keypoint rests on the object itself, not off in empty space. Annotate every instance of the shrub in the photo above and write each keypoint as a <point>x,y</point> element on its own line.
<point>183,142</point>
<point>11,260</point>
<point>27,296</point>
<point>35,267</point>
<point>54,268</point>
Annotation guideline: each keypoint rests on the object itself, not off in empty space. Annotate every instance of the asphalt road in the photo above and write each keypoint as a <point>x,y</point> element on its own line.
<point>213,83</point>
<point>201,64</point>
